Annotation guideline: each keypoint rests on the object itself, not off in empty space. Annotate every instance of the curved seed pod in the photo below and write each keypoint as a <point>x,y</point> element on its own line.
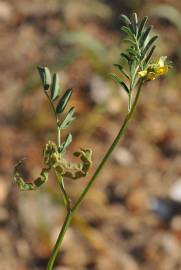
<point>23,186</point>
<point>75,170</point>
<point>54,159</point>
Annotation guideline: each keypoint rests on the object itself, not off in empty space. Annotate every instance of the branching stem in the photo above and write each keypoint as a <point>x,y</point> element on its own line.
<point>66,198</point>
<point>70,211</point>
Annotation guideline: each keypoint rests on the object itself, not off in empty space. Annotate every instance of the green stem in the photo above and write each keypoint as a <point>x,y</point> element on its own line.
<point>65,195</point>
<point>129,101</point>
<point>70,212</point>
<point>59,240</point>
<point>110,150</point>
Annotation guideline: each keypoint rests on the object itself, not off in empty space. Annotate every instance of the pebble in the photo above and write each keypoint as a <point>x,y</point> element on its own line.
<point>175,191</point>
<point>137,200</point>
<point>123,156</point>
<point>99,90</point>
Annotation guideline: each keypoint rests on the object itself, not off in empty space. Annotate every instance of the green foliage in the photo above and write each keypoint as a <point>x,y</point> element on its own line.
<point>140,40</point>
<point>45,77</point>
<point>139,69</point>
<point>55,87</point>
<point>119,81</point>
<point>63,101</point>
<point>138,53</point>
<point>65,144</point>
<point>68,119</point>
<point>53,153</point>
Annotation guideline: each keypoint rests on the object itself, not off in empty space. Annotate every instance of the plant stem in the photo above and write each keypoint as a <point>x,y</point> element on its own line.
<point>66,198</point>
<point>110,150</point>
<point>59,240</point>
<point>129,101</point>
<point>71,211</point>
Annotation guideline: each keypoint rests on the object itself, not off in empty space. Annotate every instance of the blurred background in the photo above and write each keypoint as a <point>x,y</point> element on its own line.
<point>131,218</point>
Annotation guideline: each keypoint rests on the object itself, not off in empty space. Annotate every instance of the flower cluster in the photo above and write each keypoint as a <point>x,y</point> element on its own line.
<point>155,70</point>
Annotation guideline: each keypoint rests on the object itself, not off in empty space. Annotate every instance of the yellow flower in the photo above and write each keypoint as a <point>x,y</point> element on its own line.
<point>151,76</point>
<point>143,73</point>
<point>154,70</point>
